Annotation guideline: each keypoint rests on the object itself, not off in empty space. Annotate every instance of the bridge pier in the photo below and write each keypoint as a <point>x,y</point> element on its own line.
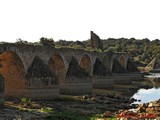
<point>1,89</point>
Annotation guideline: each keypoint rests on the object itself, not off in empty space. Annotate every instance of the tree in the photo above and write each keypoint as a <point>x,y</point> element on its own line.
<point>47,42</point>
<point>20,41</point>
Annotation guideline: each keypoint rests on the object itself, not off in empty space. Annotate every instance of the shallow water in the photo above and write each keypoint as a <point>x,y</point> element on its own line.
<point>148,95</point>
<point>153,75</point>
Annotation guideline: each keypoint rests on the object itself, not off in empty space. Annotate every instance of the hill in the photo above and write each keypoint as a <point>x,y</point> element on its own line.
<point>142,51</point>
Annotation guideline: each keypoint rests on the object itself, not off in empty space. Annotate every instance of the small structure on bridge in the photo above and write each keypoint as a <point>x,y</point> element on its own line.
<point>96,41</point>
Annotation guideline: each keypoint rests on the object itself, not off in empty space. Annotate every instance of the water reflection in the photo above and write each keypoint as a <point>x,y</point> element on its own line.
<point>152,75</point>
<point>147,95</point>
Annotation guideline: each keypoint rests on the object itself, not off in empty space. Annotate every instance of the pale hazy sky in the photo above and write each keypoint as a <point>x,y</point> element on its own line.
<point>74,19</point>
<point>147,95</point>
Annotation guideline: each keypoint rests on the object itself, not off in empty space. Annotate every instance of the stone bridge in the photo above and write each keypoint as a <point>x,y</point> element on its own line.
<point>43,72</point>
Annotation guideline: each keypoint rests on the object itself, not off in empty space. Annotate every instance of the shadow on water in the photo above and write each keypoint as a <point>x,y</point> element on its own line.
<point>148,95</point>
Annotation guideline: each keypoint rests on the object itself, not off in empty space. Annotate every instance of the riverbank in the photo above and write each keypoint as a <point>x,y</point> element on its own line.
<point>79,108</point>
<point>103,103</point>
<point>66,107</point>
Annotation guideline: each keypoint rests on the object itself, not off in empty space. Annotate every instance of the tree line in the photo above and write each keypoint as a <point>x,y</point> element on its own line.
<point>142,51</point>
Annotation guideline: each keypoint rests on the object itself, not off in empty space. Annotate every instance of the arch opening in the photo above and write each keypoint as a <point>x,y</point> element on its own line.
<point>122,61</point>
<point>12,69</point>
<point>57,66</point>
<point>85,63</point>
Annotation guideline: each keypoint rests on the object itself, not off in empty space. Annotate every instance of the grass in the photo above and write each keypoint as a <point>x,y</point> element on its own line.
<point>46,110</point>
<point>25,100</point>
<point>69,98</point>
<point>26,110</point>
<point>66,115</point>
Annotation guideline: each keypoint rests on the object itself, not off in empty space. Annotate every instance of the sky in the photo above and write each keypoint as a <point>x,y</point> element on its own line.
<point>147,95</point>
<point>74,19</point>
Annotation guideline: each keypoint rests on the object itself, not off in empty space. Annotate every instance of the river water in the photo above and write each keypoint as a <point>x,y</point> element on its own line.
<point>148,95</point>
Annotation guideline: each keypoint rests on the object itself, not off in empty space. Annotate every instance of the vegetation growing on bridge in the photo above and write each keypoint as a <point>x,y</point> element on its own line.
<point>142,50</point>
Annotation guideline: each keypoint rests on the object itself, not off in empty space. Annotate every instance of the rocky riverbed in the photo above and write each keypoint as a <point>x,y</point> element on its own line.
<point>85,105</point>
<point>115,103</point>
<point>147,111</point>
<point>100,106</point>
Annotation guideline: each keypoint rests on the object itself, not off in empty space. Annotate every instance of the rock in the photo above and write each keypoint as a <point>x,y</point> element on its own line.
<point>117,96</point>
<point>150,104</point>
<point>134,105</point>
<point>141,109</point>
<point>149,110</point>
<point>133,100</point>
<point>107,114</point>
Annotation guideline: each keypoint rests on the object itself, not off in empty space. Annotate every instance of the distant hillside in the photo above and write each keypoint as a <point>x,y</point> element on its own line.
<point>142,51</point>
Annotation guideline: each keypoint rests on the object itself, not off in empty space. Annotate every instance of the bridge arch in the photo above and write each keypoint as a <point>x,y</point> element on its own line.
<point>85,63</point>
<point>122,61</point>
<point>12,69</point>
<point>57,65</point>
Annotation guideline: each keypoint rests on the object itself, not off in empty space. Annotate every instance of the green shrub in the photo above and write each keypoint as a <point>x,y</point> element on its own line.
<point>25,100</point>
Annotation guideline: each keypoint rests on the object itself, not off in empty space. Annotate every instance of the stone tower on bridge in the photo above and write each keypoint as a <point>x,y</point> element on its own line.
<point>96,41</point>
